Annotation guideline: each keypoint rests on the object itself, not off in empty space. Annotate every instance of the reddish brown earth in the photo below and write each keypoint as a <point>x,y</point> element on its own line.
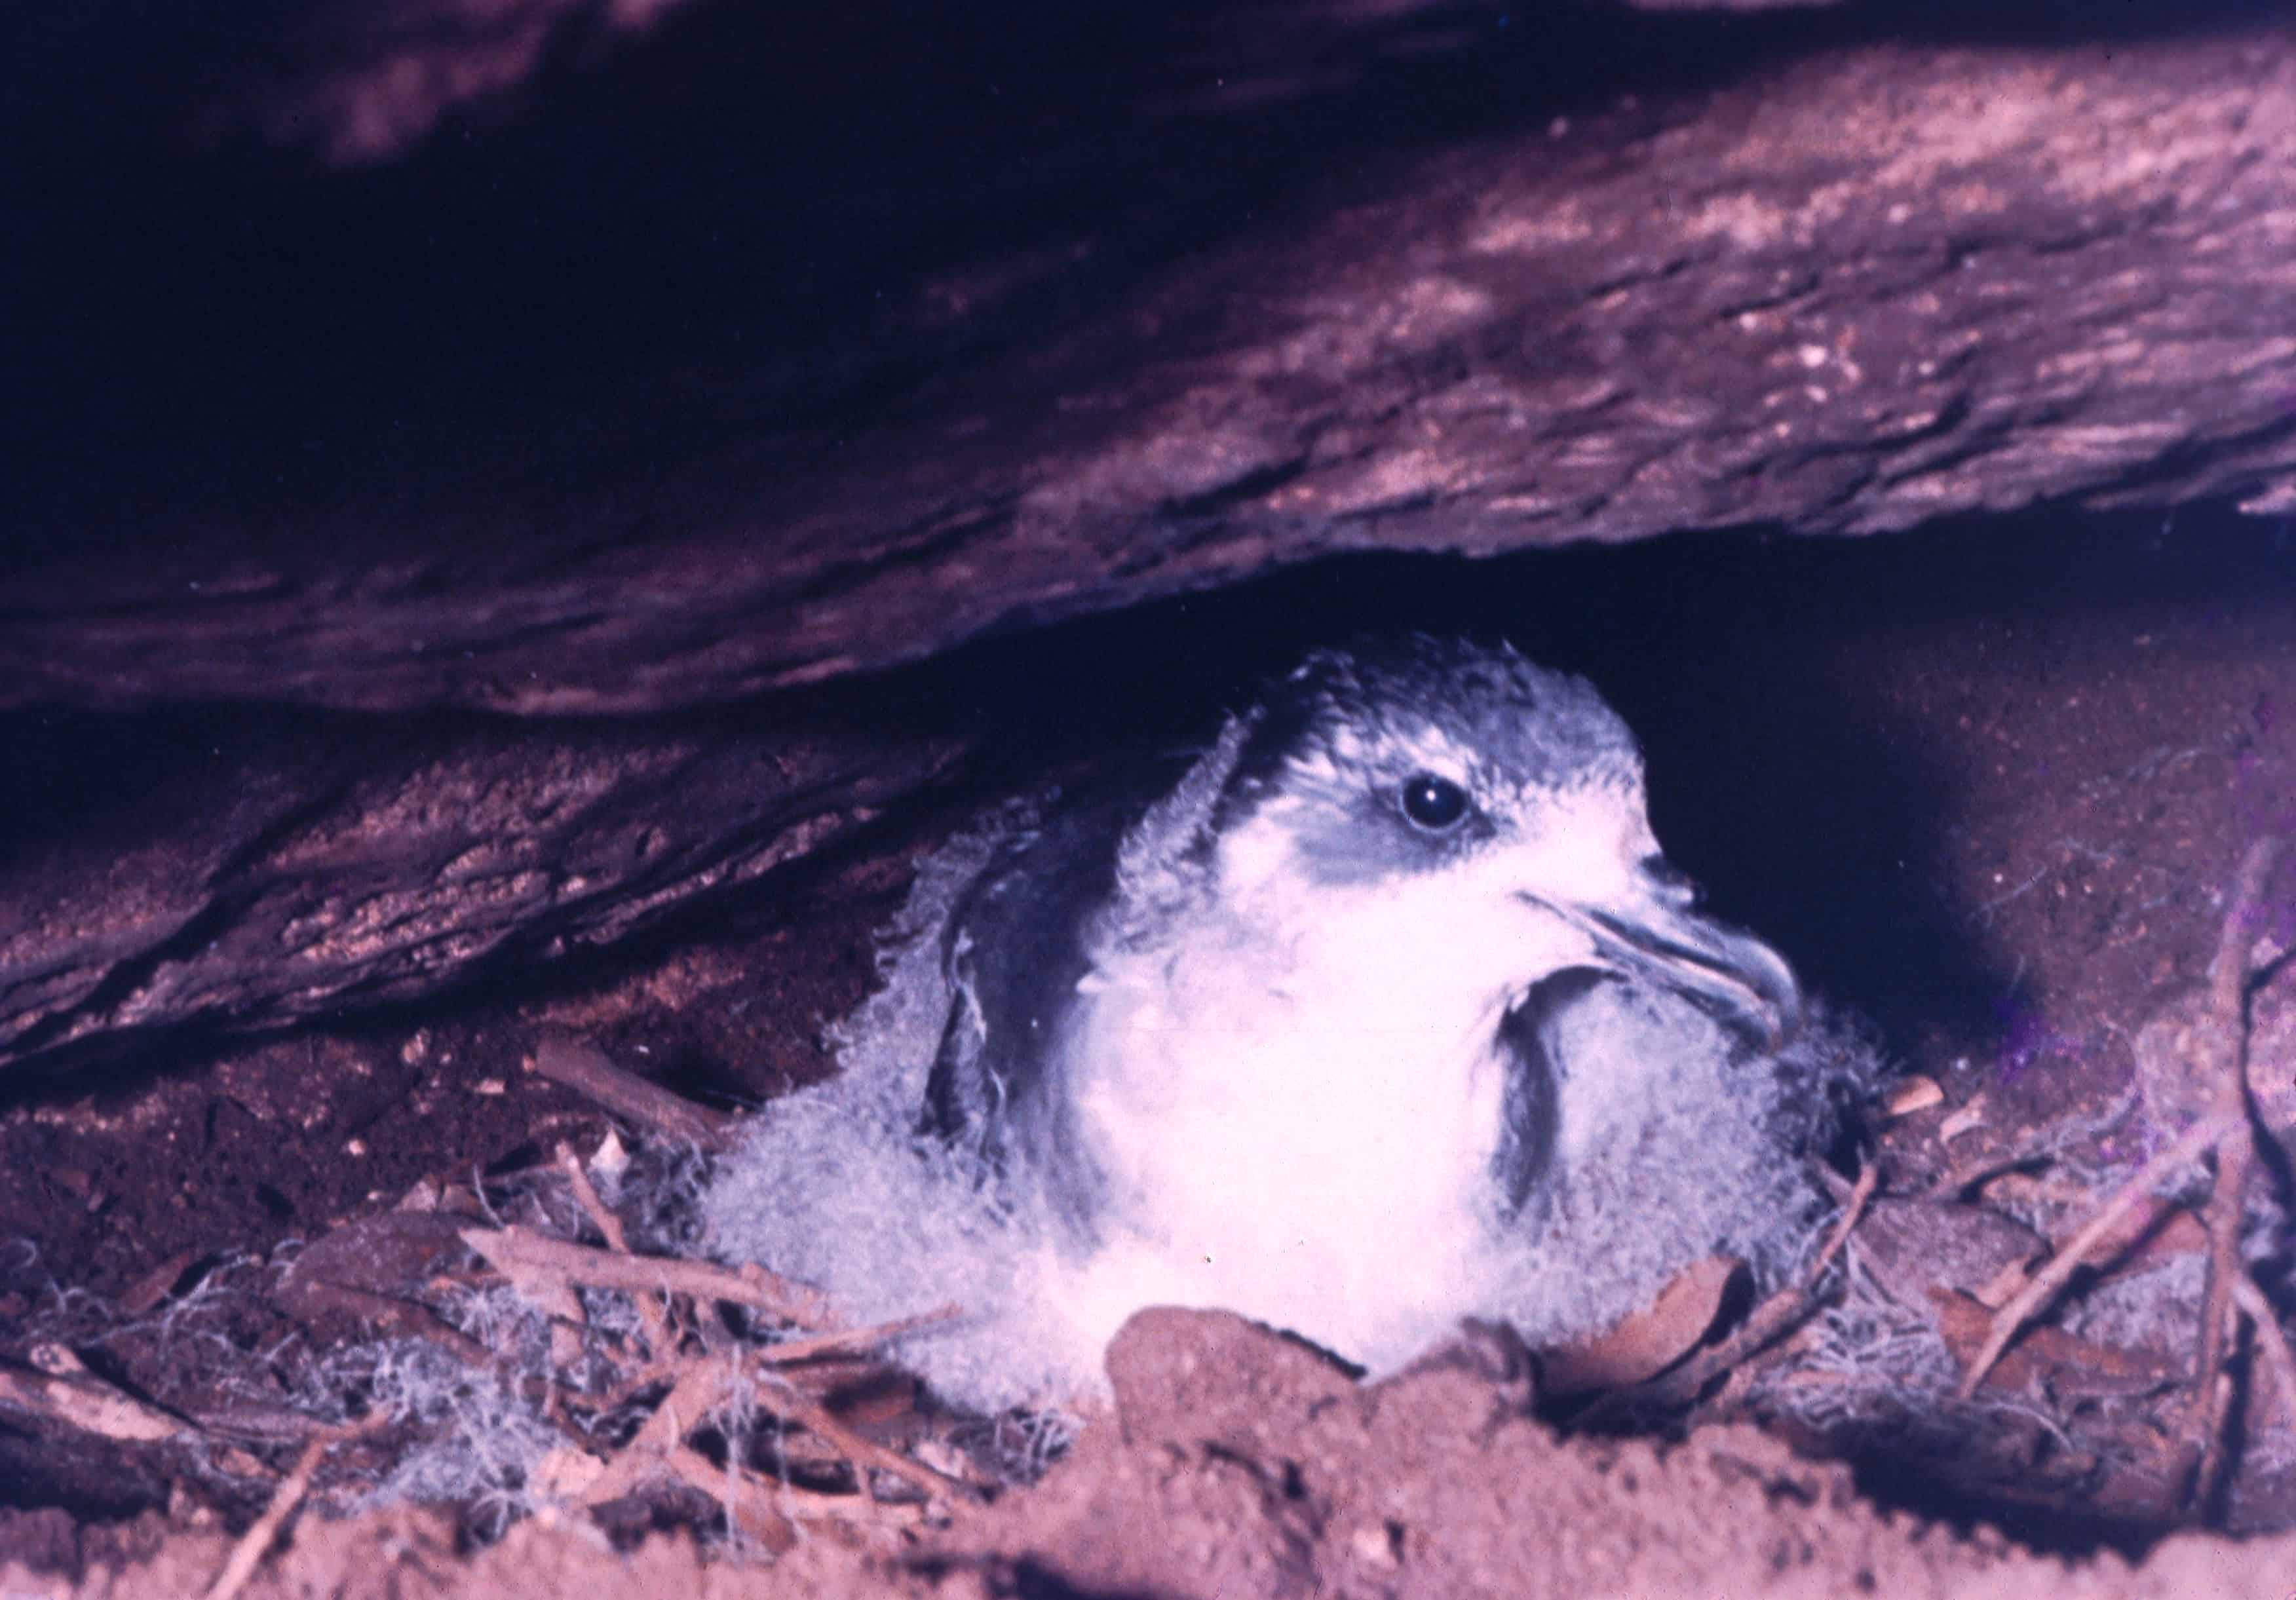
<point>1238,1465</point>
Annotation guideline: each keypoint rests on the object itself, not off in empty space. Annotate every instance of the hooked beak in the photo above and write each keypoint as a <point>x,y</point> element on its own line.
<point>1659,934</point>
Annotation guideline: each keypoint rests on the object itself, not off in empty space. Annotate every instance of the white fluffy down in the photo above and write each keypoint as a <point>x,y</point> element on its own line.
<point>1675,1145</point>
<point>832,1184</point>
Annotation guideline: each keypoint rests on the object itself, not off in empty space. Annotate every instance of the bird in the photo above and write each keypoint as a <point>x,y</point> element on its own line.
<point>1379,1013</point>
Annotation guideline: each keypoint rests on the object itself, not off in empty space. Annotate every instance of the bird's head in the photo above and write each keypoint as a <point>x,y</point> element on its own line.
<point>1503,802</point>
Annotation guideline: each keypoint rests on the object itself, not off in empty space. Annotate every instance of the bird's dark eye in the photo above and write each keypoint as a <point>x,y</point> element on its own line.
<point>1433,803</point>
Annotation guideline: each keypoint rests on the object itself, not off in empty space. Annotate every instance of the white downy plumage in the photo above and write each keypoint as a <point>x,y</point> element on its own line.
<point>1293,1074</point>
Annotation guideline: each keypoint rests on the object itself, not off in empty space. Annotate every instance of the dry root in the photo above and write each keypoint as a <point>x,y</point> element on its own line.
<point>2219,1070</point>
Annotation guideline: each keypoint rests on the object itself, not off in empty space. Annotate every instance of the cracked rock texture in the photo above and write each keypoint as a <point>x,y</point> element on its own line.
<point>533,434</point>
<point>717,352</point>
<point>258,868</point>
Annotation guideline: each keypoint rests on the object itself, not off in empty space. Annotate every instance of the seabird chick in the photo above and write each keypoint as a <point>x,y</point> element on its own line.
<point>1387,1012</point>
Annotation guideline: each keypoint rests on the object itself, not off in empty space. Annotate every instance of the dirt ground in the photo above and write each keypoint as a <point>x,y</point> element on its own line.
<point>1987,786</point>
<point>1239,1464</point>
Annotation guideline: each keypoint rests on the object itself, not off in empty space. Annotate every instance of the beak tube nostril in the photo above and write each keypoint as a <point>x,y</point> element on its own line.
<point>1707,961</point>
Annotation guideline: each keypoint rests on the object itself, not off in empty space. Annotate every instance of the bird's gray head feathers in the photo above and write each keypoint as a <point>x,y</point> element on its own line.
<point>1482,717</point>
<point>1340,740</point>
<point>1423,755</point>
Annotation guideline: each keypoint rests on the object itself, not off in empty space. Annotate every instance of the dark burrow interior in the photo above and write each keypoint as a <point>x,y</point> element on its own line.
<point>1985,784</point>
<point>756,195</point>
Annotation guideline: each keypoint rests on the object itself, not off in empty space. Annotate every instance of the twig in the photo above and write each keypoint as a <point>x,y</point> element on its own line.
<point>2221,1070</point>
<point>513,1248</point>
<point>1853,1210</point>
<point>694,1467</point>
<point>2050,1146</point>
<point>594,1206</point>
<point>617,1239</point>
<point>584,1068</point>
<point>2044,1283</point>
<point>703,1384</point>
<point>1764,1325</point>
<point>1984,1168</point>
<point>786,1403</point>
<point>1775,1316</point>
<point>257,1540</point>
<point>411,1319</point>
<point>2274,1338</point>
<point>731,1488</point>
<point>68,1392</point>
<point>789,1351</point>
<point>700,1387</point>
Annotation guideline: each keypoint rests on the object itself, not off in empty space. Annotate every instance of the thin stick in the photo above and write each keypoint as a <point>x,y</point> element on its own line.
<point>1782,1311</point>
<point>2221,1068</point>
<point>694,1467</point>
<point>1767,1322</point>
<point>618,1240</point>
<point>406,1316</point>
<point>514,1246</point>
<point>584,1068</point>
<point>787,1404</point>
<point>78,1398</point>
<point>789,1351</point>
<point>1983,1168</point>
<point>700,1387</point>
<point>594,1205</point>
<point>2012,1318</point>
<point>2273,1338</point>
<point>256,1542</point>
<point>1853,1210</point>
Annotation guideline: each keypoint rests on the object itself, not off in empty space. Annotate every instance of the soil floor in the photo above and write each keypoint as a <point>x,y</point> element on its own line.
<point>1987,786</point>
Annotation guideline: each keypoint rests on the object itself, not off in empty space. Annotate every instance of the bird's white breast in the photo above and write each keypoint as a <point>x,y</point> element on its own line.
<point>1296,1108</point>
